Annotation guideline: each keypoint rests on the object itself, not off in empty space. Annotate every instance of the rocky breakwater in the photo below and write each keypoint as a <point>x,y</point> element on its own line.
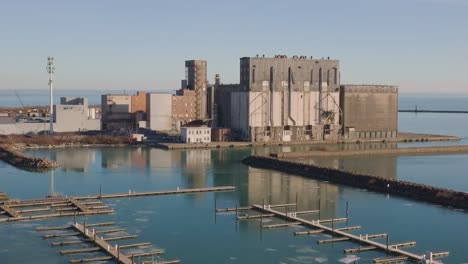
<point>19,160</point>
<point>421,192</point>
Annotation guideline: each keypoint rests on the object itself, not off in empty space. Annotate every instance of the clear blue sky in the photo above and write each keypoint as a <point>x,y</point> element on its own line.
<point>420,45</point>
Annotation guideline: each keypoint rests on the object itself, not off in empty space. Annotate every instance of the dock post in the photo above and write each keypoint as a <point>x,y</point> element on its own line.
<point>215,206</point>
<point>84,224</point>
<point>347,209</point>
<point>261,220</point>
<point>360,242</point>
<point>297,199</point>
<point>133,258</point>
<point>237,212</point>
<point>320,210</point>
<point>100,191</point>
<point>387,244</point>
<point>74,218</point>
<point>333,226</point>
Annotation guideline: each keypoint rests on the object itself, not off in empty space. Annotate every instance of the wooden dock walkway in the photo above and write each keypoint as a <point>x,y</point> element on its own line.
<point>53,207</point>
<point>341,235</point>
<point>155,193</point>
<point>101,243</point>
<point>97,243</point>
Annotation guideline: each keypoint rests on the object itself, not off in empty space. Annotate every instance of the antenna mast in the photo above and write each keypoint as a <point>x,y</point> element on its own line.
<point>51,71</point>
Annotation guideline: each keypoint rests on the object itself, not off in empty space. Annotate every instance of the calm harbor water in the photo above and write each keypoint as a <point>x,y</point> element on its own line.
<point>186,227</point>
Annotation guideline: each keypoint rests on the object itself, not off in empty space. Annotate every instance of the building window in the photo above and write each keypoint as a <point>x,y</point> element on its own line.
<point>253,75</point>
<point>291,75</point>
<point>335,75</point>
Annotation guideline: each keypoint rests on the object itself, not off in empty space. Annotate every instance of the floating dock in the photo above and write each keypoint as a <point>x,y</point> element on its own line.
<point>344,236</point>
<point>52,207</point>
<point>98,243</point>
<point>393,251</point>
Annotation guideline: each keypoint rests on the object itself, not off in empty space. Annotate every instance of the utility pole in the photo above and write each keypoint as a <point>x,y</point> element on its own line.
<point>51,71</point>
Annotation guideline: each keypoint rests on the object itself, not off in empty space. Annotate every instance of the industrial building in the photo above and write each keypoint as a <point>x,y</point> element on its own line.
<point>196,80</point>
<point>73,114</point>
<point>282,99</point>
<point>300,99</point>
<point>183,106</point>
<point>170,112</point>
<point>159,111</point>
<point>196,134</point>
<point>369,111</point>
<point>123,112</point>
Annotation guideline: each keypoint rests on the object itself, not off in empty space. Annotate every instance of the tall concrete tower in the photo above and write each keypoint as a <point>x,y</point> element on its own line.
<point>196,76</point>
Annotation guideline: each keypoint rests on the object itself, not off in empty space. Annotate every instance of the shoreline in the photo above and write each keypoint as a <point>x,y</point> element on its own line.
<point>19,160</point>
<point>402,137</point>
<point>434,150</point>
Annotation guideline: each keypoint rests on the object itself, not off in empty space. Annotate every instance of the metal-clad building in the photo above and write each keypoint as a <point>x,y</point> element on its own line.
<point>72,114</point>
<point>159,111</point>
<point>283,99</point>
<point>369,111</point>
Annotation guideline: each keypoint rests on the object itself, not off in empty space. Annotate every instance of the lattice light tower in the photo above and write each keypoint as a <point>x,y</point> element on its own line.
<point>51,71</point>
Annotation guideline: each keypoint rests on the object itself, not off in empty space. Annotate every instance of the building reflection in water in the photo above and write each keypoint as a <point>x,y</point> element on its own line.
<point>78,161</point>
<point>192,164</point>
<point>280,188</point>
<point>196,164</point>
<point>377,165</point>
<point>114,158</point>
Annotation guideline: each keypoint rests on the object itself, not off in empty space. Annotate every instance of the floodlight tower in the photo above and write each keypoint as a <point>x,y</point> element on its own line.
<point>51,71</point>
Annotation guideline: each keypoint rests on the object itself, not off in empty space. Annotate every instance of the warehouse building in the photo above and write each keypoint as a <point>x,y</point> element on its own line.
<point>282,99</point>
<point>73,114</point>
<point>123,112</point>
<point>369,111</point>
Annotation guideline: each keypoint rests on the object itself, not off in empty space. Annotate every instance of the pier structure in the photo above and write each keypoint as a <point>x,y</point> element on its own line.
<point>394,251</point>
<point>434,150</point>
<point>102,238</point>
<point>52,207</point>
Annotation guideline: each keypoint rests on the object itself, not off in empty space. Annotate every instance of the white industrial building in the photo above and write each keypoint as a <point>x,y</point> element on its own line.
<point>159,111</point>
<point>282,99</point>
<point>73,114</point>
<point>196,134</point>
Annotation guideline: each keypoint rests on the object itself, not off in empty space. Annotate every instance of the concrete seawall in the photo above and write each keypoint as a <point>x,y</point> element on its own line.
<point>440,150</point>
<point>19,160</point>
<point>421,192</point>
<point>402,137</point>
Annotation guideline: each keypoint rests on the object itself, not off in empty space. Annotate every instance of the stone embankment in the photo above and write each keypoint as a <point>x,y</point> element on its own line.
<point>439,150</point>
<point>19,160</point>
<point>405,189</point>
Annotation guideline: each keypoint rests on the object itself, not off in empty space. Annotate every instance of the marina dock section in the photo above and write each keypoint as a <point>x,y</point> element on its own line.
<point>52,207</point>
